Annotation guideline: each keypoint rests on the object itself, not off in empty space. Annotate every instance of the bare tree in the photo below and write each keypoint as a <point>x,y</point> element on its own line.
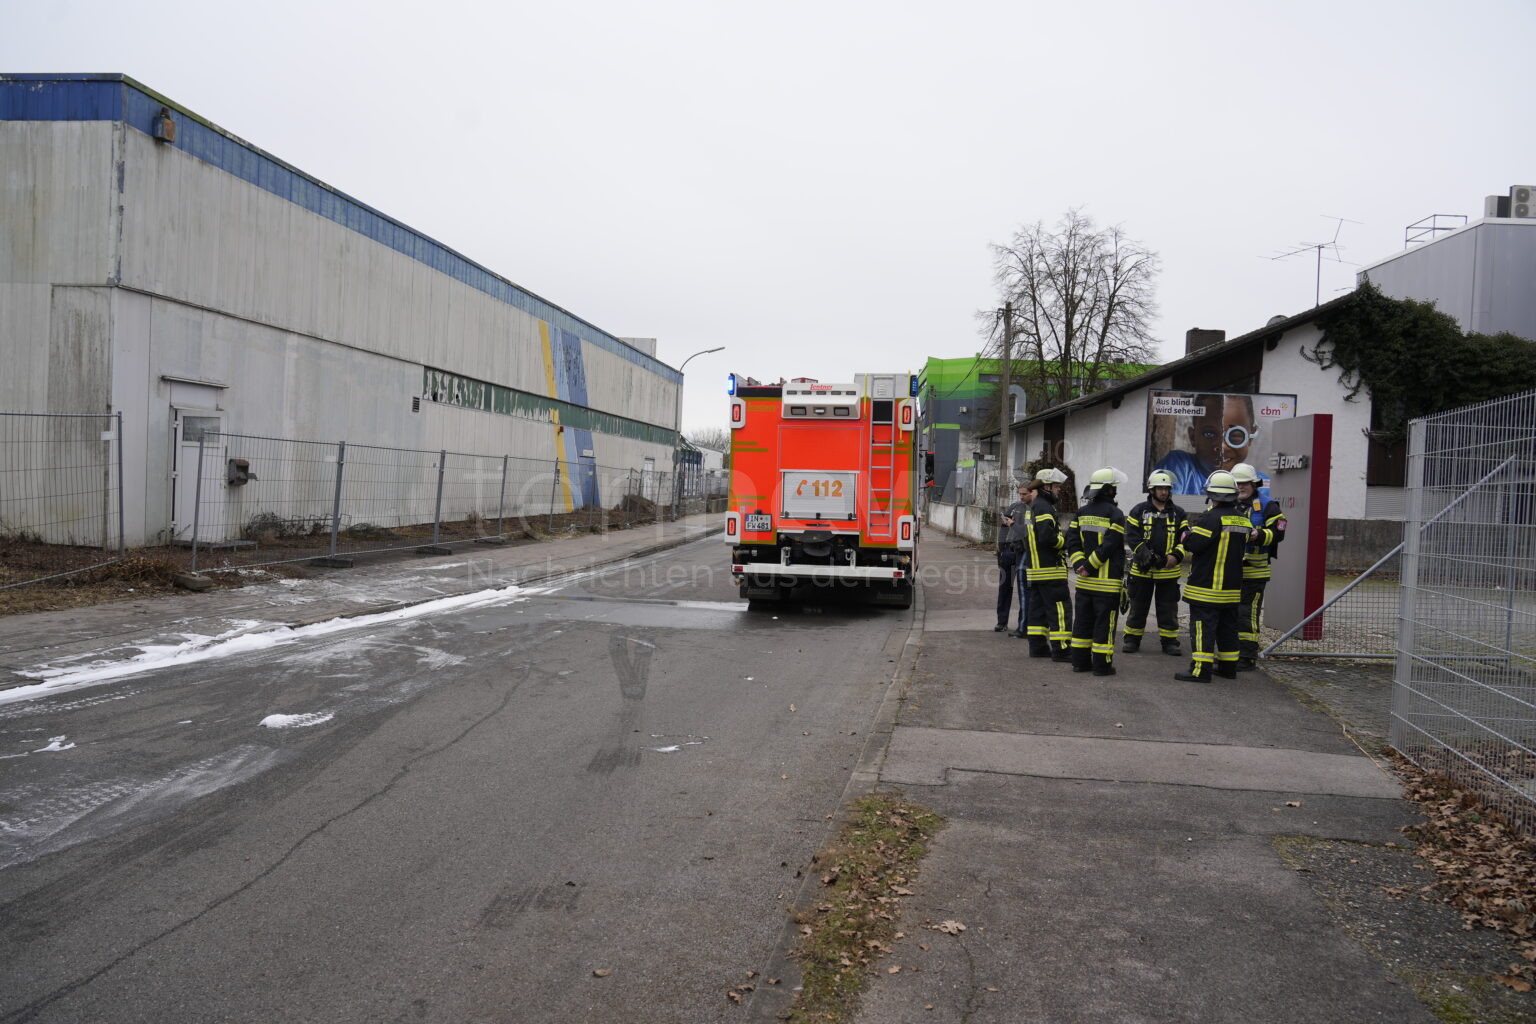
<point>1083,300</point>
<point>714,438</point>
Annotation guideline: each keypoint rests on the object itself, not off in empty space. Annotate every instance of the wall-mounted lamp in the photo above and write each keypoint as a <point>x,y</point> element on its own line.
<point>164,127</point>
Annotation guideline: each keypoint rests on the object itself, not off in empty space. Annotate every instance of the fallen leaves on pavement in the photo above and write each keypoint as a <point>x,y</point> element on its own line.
<point>1486,868</point>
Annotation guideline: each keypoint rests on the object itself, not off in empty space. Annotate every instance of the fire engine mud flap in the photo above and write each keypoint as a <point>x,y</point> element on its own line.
<point>894,596</point>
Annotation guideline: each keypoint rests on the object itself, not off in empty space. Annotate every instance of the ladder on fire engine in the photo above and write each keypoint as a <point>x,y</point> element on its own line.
<point>882,457</point>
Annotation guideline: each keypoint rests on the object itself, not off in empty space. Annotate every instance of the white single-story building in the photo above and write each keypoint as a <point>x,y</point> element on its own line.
<point>1111,427</point>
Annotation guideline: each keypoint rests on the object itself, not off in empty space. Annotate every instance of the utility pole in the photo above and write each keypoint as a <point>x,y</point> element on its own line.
<point>1005,440</point>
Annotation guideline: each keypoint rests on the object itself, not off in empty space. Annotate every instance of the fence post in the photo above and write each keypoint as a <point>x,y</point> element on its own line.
<point>341,460</point>
<point>1510,576</point>
<point>501,501</point>
<point>106,490</point>
<point>197,501</point>
<point>554,485</point>
<point>1408,588</point>
<point>122,526</point>
<point>437,511</point>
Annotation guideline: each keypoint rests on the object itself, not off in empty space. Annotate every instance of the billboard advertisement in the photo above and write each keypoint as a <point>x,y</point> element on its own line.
<point>1194,433</point>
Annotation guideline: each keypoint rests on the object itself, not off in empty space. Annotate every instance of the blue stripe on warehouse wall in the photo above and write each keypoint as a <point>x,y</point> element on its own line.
<point>571,379</point>
<point>120,98</point>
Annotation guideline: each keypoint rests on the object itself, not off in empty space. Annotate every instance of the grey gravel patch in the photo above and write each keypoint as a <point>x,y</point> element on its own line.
<point>1358,695</point>
<point>1421,941</point>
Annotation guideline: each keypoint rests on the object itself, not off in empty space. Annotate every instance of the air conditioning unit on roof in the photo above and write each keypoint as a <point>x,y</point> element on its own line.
<point>1522,201</point>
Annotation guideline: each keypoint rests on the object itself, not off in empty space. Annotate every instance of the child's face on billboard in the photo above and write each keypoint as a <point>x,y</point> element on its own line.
<point>1221,437</point>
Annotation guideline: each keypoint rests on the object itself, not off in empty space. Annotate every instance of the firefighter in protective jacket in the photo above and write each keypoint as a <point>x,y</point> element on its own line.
<point>1268,530</point>
<point>1050,614</point>
<point>1096,550</point>
<point>1214,548</point>
<point>1153,529</point>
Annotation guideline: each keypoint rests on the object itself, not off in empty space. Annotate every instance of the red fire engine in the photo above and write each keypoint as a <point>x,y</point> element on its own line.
<point>823,487</point>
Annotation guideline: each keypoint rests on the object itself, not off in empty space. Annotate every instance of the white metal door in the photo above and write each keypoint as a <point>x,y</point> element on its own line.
<point>193,429</point>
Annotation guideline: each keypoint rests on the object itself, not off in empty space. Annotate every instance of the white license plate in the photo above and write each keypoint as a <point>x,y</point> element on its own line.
<point>758,523</point>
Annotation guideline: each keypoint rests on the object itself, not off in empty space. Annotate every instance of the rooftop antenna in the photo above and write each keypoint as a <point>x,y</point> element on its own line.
<point>1318,248</point>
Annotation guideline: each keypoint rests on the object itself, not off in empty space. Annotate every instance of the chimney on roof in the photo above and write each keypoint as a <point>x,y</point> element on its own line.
<point>1195,339</point>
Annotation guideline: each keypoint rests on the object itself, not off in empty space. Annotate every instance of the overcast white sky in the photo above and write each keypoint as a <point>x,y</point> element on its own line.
<point>815,185</point>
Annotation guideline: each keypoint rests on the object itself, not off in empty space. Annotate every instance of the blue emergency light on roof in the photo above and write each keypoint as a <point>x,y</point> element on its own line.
<point>731,385</point>
<point>912,384</point>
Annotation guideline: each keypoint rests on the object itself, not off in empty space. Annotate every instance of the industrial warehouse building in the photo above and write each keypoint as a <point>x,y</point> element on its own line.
<point>158,266</point>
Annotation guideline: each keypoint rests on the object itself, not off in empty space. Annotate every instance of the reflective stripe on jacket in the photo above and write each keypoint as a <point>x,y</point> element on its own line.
<point>1043,554</point>
<point>1214,547</point>
<point>1096,542</point>
<point>1160,531</point>
<point>1267,518</point>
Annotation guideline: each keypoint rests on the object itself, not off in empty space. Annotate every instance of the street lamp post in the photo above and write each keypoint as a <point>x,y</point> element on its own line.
<point>677,432</point>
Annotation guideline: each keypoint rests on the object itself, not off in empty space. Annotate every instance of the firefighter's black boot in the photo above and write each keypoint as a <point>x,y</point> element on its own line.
<point>1059,653</point>
<point>1172,647</point>
<point>1102,666</point>
<point>1247,664</point>
<point>1081,659</point>
<point>1226,669</point>
<point>1199,672</point>
<point>1130,645</point>
<point>1038,648</point>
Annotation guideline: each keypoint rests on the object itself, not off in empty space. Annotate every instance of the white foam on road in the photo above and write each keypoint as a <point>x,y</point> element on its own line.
<point>248,638</point>
<point>41,821</point>
<point>54,743</point>
<point>296,721</point>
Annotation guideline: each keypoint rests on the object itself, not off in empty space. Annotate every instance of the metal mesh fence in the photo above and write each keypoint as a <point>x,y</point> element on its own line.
<point>1464,697</point>
<point>1358,618</point>
<point>61,499</point>
<point>263,500</point>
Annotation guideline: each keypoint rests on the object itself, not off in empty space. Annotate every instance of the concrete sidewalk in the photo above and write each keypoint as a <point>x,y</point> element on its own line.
<point>1116,847</point>
<point>122,628</point>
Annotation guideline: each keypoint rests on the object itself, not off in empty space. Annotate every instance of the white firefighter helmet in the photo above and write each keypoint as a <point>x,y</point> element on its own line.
<point>1243,473</point>
<point>1160,478</point>
<point>1220,486</point>
<point>1109,476</point>
<point>1050,475</point>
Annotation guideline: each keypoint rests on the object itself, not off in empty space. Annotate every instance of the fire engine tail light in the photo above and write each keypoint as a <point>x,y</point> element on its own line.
<point>738,414</point>
<point>906,526</point>
<point>905,417</point>
<point>732,527</point>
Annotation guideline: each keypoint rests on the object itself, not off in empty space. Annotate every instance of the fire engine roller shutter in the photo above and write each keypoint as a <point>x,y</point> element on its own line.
<point>820,478</point>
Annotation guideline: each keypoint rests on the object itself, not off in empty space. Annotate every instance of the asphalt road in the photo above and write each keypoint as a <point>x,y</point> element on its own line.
<point>622,773</point>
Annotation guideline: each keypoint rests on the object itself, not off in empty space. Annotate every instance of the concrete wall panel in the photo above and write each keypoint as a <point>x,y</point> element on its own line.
<point>207,238</point>
<point>57,220</point>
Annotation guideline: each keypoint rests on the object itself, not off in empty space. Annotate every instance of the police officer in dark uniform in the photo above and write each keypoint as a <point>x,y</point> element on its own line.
<point>1264,539</point>
<point>1214,548</point>
<point>1153,529</point>
<point>1050,613</point>
<point>1010,546</point>
<point>1096,551</point>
